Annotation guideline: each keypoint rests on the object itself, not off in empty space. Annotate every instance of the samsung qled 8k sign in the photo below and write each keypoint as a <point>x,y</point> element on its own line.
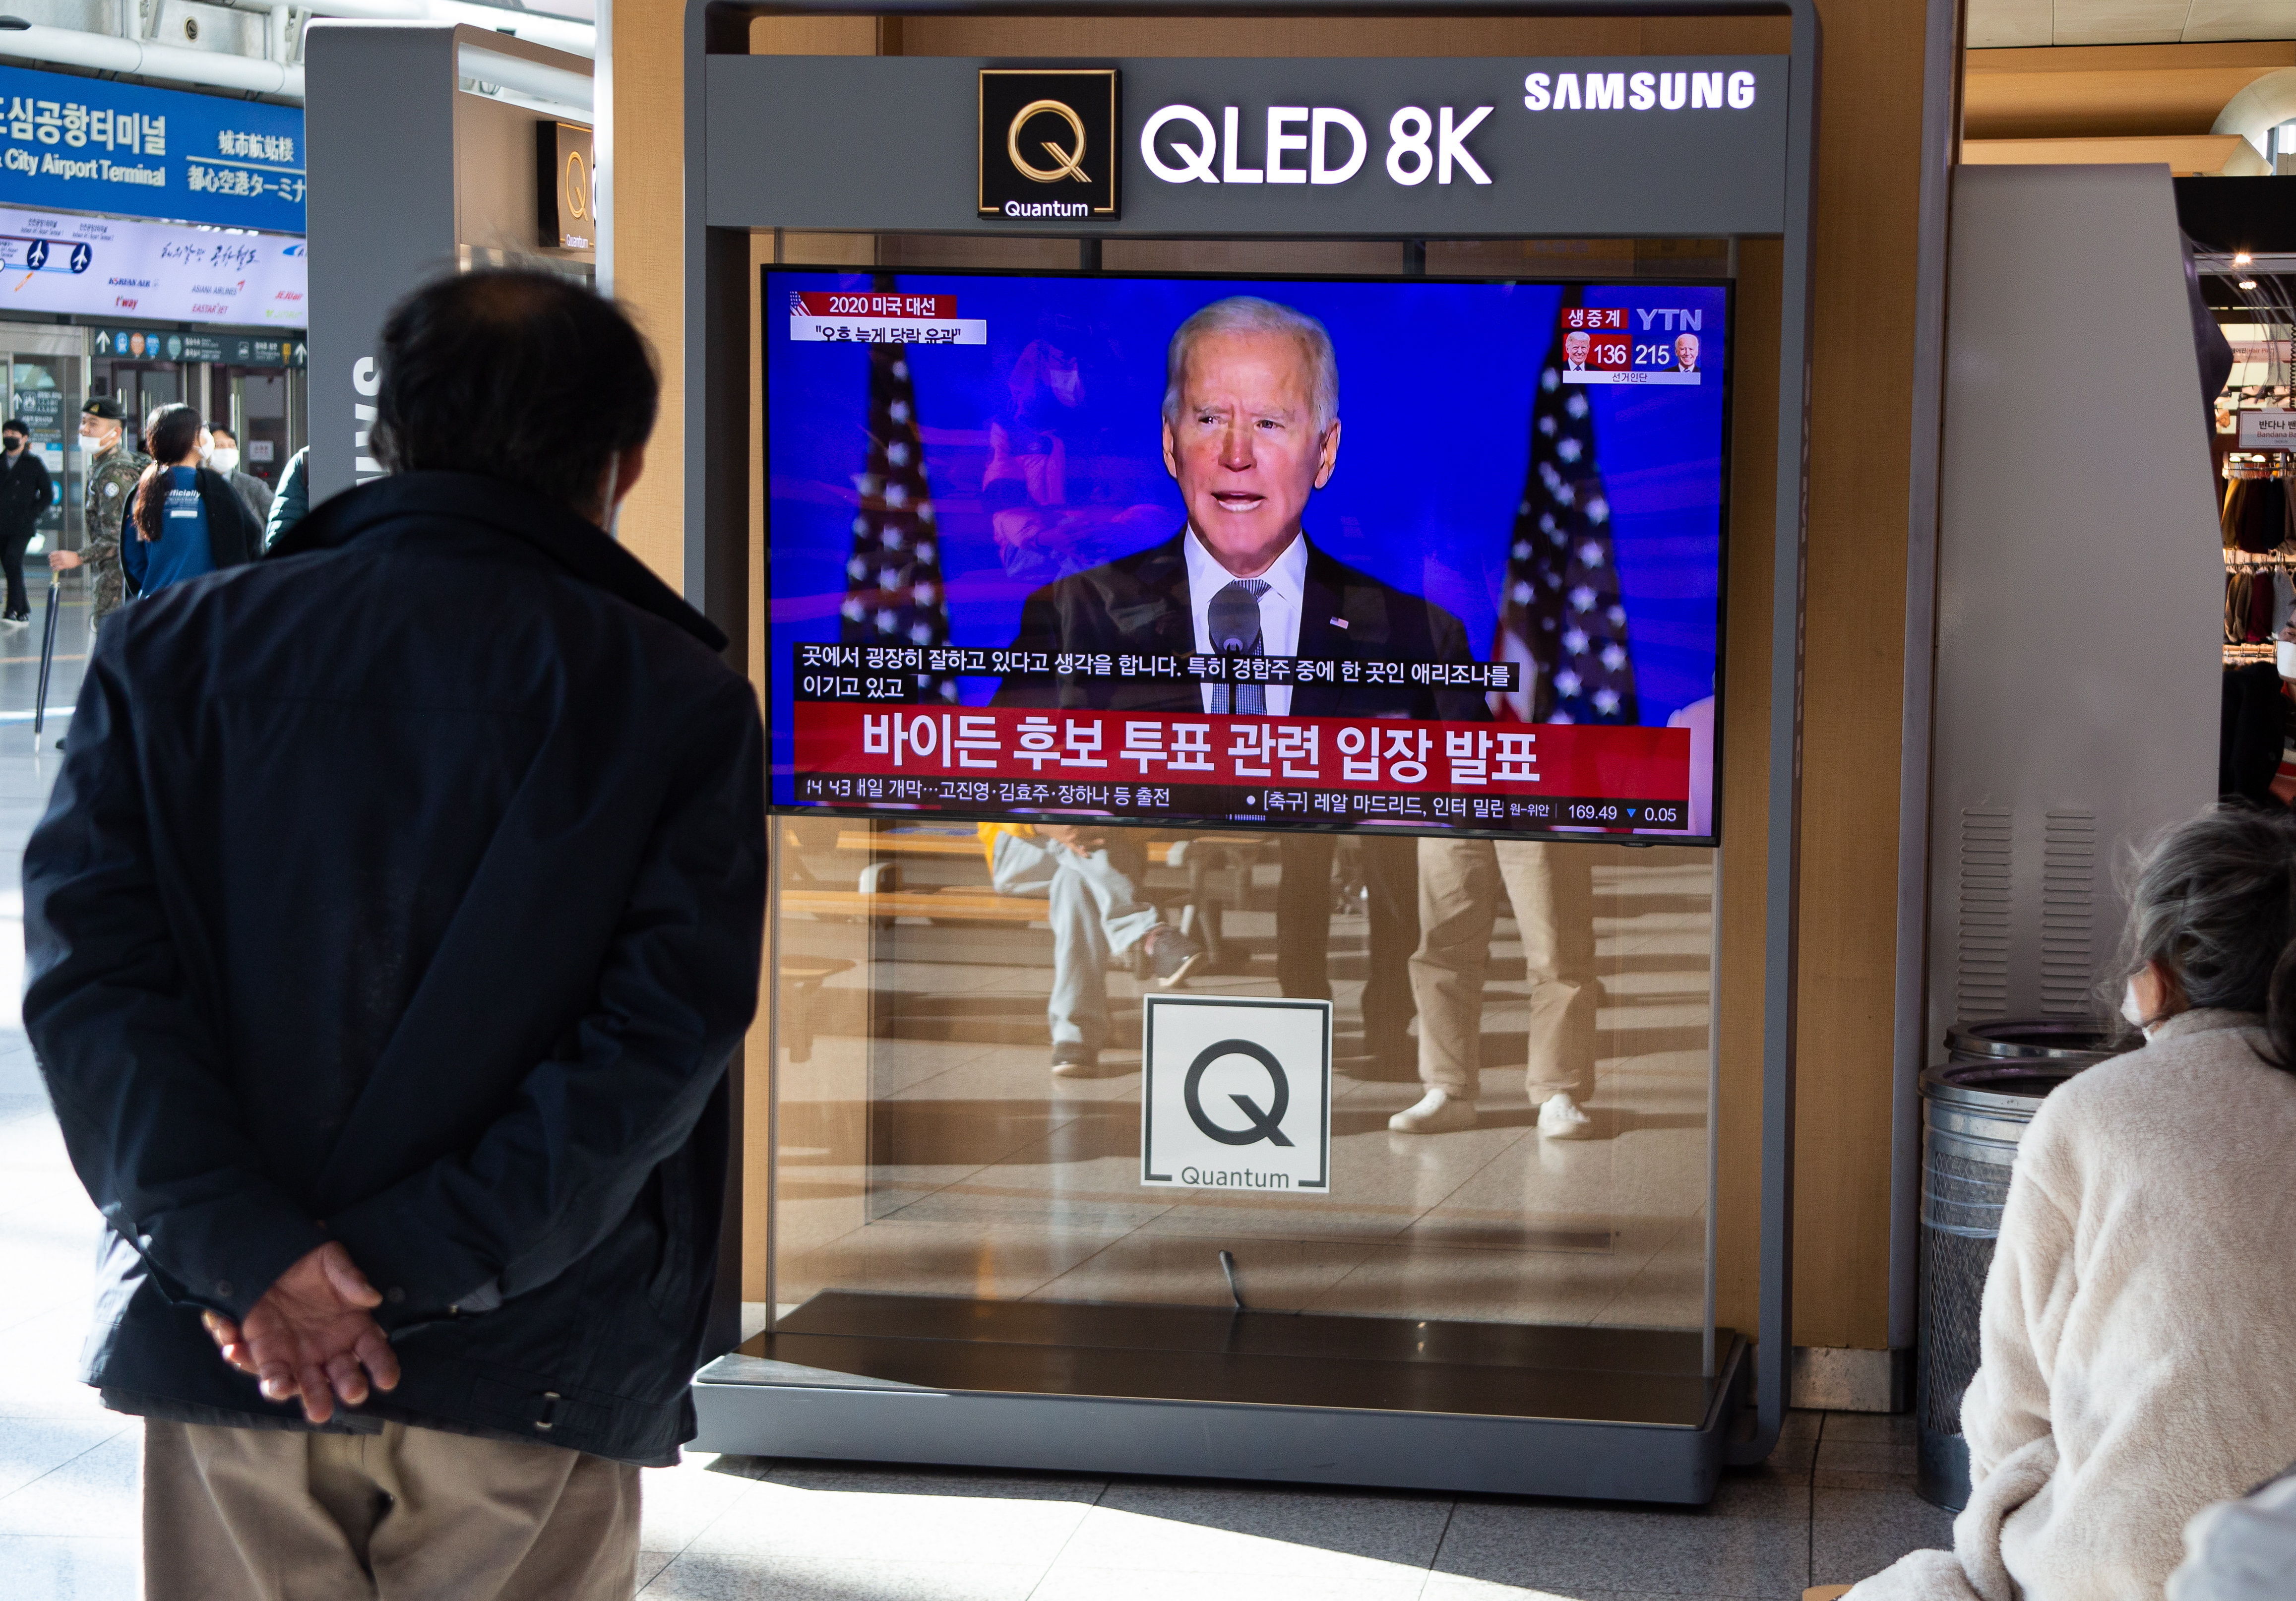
<point>1053,145</point>
<point>1412,554</point>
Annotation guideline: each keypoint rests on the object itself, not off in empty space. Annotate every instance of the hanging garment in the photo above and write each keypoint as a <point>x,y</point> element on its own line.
<point>2250,737</point>
<point>2251,615</point>
<point>2264,516</point>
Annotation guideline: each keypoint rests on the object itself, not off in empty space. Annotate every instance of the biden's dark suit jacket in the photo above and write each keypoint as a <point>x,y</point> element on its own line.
<point>1139,603</point>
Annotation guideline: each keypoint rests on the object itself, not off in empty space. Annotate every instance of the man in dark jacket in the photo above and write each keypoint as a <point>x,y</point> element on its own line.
<point>26,494</point>
<point>396,915</point>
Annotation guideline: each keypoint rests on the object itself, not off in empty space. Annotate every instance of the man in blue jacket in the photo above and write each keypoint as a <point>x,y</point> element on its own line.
<point>396,915</point>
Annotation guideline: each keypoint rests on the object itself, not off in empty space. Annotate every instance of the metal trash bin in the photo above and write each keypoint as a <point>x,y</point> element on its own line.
<point>1974,1110</point>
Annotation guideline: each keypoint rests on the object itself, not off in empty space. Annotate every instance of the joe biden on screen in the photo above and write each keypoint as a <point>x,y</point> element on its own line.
<point>1251,428</point>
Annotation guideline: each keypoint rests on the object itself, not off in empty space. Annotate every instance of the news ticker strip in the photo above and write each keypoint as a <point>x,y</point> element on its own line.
<point>1231,802</point>
<point>1247,753</point>
<point>887,674</point>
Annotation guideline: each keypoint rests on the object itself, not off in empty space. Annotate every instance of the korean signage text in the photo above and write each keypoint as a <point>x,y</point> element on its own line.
<point>90,144</point>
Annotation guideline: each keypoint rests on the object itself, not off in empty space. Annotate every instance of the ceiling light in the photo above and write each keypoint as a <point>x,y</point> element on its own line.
<point>2247,284</point>
<point>2240,257</point>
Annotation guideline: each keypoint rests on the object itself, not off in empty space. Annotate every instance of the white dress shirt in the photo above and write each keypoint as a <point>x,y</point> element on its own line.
<point>1279,606</point>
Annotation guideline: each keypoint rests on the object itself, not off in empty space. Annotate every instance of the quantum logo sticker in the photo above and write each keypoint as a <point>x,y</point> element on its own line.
<point>1235,1093</point>
<point>1048,144</point>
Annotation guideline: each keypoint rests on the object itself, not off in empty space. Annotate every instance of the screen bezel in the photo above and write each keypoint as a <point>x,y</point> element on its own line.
<point>1710,840</point>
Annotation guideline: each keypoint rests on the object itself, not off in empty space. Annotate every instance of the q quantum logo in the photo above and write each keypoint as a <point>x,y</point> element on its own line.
<point>1235,1093</point>
<point>1048,144</point>
<point>1259,1123</point>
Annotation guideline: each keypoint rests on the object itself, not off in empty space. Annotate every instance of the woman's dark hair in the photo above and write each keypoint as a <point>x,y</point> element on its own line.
<point>522,376</point>
<point>169,433</point>
<point>2215,905</point>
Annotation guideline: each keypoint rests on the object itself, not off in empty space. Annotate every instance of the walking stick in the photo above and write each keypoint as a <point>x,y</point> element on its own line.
<point>47,661</point>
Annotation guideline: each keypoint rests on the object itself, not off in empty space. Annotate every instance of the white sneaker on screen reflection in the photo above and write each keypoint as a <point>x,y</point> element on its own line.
<point>1438,1112</point>
<point>1561,1119</point>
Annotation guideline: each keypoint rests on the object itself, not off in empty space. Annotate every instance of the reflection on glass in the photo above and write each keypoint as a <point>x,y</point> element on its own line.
<point>957,1082</point>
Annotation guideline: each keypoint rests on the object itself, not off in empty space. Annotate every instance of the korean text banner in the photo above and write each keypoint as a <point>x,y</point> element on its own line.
<point>100,267</point>
<point>91,145</point>
<point>1414,555</point>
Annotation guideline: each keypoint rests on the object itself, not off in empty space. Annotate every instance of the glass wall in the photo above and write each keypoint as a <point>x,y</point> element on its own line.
<point>954,1171</point>
<point>44,390</point>
<point>929,977</point>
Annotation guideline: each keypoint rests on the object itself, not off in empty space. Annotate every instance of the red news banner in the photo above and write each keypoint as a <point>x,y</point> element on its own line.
<point>1309,769</point>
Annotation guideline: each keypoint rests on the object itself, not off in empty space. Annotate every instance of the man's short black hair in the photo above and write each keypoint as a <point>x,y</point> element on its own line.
<point>523,376</point>
<point>16,425</point>
<point>223,428</point>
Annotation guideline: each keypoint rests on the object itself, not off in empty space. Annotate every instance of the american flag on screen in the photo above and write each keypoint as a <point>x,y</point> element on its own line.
<point>1561,618</point>
<point>893,591</point>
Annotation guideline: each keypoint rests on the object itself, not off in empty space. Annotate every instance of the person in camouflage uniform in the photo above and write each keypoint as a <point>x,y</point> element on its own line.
<point>112,471</point>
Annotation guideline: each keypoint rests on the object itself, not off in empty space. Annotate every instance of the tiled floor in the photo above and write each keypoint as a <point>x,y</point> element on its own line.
<point>1834,1502</point>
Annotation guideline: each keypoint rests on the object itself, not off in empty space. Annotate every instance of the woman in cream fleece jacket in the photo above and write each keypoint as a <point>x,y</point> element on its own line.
<point>2138,1336</point>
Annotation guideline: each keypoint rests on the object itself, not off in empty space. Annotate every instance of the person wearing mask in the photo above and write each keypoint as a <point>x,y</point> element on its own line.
<point>184,521</point>
<point>2138,1329</point>
<point>26,494</point>
<point>409,1121</point>
<point>222,455</point>
<point>113,469</point>
<point>294,501</point>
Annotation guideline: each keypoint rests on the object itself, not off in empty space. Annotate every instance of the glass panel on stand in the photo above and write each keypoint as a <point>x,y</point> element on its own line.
<point>1245,887</point>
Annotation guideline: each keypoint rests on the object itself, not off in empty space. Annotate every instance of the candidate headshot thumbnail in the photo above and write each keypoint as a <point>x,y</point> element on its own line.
<point>1250,431</point>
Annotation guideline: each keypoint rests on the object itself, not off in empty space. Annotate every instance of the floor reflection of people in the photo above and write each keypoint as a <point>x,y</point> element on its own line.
<point>1303,937</point>
<point>1551,888</point>
<point>1090,878</point>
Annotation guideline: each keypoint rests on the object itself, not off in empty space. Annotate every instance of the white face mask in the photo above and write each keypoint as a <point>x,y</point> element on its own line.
<point>2133,1012</point>
<point>223,458</point>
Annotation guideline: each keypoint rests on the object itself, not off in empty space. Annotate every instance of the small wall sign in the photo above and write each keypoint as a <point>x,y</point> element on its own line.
<point>1048,144</point>
<point>1235,1094</point>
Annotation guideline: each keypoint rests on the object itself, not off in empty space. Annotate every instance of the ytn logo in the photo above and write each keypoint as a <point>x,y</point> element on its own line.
<point>1048,144</point>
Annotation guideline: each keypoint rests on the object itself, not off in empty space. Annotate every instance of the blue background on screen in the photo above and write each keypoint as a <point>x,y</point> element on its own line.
<point>1437,382</point>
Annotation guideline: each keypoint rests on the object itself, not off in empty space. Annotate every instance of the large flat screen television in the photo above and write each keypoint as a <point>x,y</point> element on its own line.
<point>1417,554</point>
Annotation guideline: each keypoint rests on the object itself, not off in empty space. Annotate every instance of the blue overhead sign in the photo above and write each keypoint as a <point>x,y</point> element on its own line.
<point>90,144</point>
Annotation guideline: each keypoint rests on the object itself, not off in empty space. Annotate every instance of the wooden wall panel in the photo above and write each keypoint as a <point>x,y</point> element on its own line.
<point>1308,37</point>
<point>1861,439</point>
<point>1861,350</point>
<point>2092,91</point>
<point>648,173</point>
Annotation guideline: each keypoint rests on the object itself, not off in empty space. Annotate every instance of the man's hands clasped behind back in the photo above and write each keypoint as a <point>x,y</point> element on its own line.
<point>311,1338</point>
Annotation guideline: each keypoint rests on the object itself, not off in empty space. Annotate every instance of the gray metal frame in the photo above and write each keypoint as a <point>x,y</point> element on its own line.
<point>718,409</point>
<point>1910,1041</point>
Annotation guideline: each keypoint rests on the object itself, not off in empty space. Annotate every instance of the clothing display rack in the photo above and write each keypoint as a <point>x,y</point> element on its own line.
<point>2270,560</point>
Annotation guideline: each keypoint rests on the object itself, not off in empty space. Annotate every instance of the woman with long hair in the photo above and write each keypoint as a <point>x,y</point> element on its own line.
<point>2138,1344</point>
<point>183,520</point>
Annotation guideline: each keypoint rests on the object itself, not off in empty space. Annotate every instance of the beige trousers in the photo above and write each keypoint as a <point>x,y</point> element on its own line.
<point>408,1515</point>
<point>1552,889</point>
